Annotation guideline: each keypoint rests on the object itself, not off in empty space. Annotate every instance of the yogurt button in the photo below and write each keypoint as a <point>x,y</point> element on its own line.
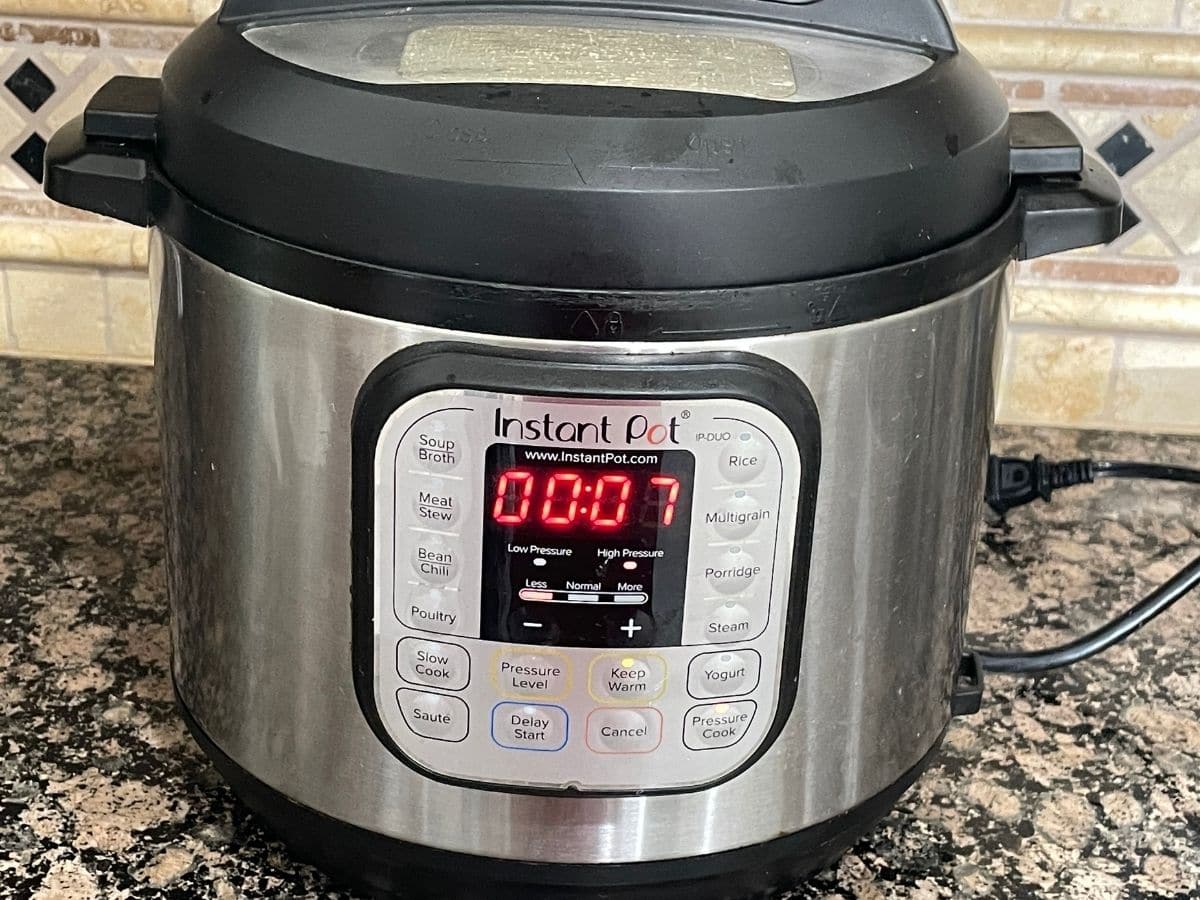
<point>624,730</point>
<point>428,609</point>
<point>529,726</point>
<point>436,446</point>
<point>433,664</point>
<point>717,725</point>
<point>724,674</point>
<point>436,561</point>
<point>433,716</point>
<point>733,571</point>
<point>744,458</point>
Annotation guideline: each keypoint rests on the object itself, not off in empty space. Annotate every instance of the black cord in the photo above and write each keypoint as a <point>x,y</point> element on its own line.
<point>1016,482</point>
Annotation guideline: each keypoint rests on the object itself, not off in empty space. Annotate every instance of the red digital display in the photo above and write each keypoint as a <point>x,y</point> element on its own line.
<point>575,499</point>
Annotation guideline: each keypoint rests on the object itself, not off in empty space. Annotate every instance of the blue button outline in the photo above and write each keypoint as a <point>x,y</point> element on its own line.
<point>566,730</point>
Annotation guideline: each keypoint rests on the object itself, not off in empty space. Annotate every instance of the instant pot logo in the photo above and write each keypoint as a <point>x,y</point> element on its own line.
<point>637,429</point>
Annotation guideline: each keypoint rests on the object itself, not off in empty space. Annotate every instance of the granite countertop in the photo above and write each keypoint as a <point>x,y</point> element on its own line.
<point>1080,784</point>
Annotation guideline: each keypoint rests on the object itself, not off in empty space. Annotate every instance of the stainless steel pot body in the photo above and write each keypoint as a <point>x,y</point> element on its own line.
<point>257,391</point>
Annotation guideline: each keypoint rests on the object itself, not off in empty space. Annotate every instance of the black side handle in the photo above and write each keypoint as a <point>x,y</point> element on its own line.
<point>103,161</point>
<point>1068,199</point>
<point>967,698</point>
<point>920,23</point>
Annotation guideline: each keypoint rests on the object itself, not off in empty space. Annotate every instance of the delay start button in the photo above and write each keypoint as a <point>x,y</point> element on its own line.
<point>717,725</point>
<point>529,726</point>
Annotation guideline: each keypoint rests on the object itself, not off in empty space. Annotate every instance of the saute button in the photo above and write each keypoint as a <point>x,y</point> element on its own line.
<point>436,505</point>
<point>433,664</point>
<point>730,622</point>
<point>529,726</point>
<point>624,730</point>
<point>428,609</point>
<point>436,561</point>
<point>717,725</point>
<point>724,674</point>
<point>436,446</point>
<point>433,716</point>
<point>627,677</point>
<point>542,675</point>
<point>744,458</point>
<point>732,571</point>
<point>738,517</point>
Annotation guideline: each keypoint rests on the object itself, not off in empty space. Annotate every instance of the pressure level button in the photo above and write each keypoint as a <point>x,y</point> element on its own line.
<point>717,725</point>
<point>744,458</point>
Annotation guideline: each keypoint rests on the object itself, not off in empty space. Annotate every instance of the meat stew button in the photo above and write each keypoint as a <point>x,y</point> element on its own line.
<point>529,726</point>
<point>433,716</point>
<point>624,730</point>
<point>717,725</point>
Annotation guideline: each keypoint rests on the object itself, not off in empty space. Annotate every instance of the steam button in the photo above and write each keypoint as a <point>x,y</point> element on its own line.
<point>433,716</point>
<point>744,458</point>
<point>730,623</point>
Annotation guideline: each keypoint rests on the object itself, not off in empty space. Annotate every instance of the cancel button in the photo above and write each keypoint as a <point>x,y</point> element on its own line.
<point>717,724</point>
<point>624,730</point>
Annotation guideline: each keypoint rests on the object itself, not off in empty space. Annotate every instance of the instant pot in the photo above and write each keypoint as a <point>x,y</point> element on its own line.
<point>575,418</point>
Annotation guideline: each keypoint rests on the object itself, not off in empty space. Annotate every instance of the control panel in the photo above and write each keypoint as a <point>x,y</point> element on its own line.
<point>581,593</point>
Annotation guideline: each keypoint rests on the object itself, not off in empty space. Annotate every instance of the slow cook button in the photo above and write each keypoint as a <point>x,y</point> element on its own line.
<point>433,716</point>
<point>436,561</point>
<point>436,505</point>
<point>428,609</point>
<point>433,664</point>
<point>529,726</point>
<point>729,623</point>
<point>733,571</point>
<point>738,517</point>
<point>627,677</point>
<point>543,676</point>
<point>724,674</point>
<point>717,725</point>
<point>625,731</point>
<point>744,458</point>
<point>436,446</point>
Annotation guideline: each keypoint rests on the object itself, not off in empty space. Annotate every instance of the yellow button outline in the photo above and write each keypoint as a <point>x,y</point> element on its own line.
<point>510,651</point>
<point>632,701</point>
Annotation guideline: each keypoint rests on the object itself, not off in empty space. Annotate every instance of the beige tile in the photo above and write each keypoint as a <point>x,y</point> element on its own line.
<point>12,123</point>
<point>131,318</point>
<point>1171,194</point>
<point>1190,17</point>
<point>1056,377</point>
<point>146,66</point>
<point>1097,124</point>
<point>67,61</point>
<point>1011,9</point>
<point>154,10</point>
<point>72,105</point>
<point>58,312</point>
<point>1143,13</point>
<point>105,244</point>
<point>1167,123</point>
<point>202,9</point>
<point>1084,51</point>
<point>1151,246</point>
<point>1107,310</point>
<point>1157,385</point>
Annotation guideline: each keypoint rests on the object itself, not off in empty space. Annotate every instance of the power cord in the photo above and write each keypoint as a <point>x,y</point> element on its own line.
<point>1016,482</point>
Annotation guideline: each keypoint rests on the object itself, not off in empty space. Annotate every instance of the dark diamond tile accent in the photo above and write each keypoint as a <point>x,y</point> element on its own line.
<point>1126,149</point>
<point>31,156</point>
<point>31,86</point>
<point>1132,219</point>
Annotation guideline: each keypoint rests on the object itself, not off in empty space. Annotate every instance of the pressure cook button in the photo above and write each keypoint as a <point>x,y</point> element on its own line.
<point>733,571</point>
<point>436,561</point>
<point>529,726</point>
<point>726,674</point>
<point>738,517</point>
<point>729,623</point>
<point>434,716</point>
<point>625,731</point>
<point>433,664</point>
<point>428,609</point>
<point>436,446</point>
<point>627,677</point>
<point>744,458</point>
<point>544,676</point>
<point>717,725</point>
<point>436,505</point>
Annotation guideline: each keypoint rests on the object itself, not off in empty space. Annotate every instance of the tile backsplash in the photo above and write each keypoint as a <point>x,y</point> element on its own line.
<point>1106,338</point>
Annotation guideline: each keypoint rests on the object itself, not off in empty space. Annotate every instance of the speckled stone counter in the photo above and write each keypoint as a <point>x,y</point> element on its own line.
<point>1081,784</point>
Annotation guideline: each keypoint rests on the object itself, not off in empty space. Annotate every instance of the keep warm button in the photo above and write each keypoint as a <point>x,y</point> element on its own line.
<point>718,724</point>
<point>529,726</point>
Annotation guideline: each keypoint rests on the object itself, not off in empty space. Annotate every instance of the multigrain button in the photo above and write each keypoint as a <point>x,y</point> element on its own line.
<point>529,726</point>
<point>436,504</point>
<point>729,623</point>
<point>624,731</point>
<point>436,446</point>
<point>717,725</point>
<point>732,571</point>
<point>546,676</point>
<point>433,716</point>
<point>627,677</point>
<point>428,609</point>
<point>738,517</point>
<point>433,664</point>
<point>436,561</point>
<point>726,674</point>
<point>744,458</point>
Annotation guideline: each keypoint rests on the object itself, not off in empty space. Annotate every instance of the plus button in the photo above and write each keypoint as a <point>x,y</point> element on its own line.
<point>631,629</point>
